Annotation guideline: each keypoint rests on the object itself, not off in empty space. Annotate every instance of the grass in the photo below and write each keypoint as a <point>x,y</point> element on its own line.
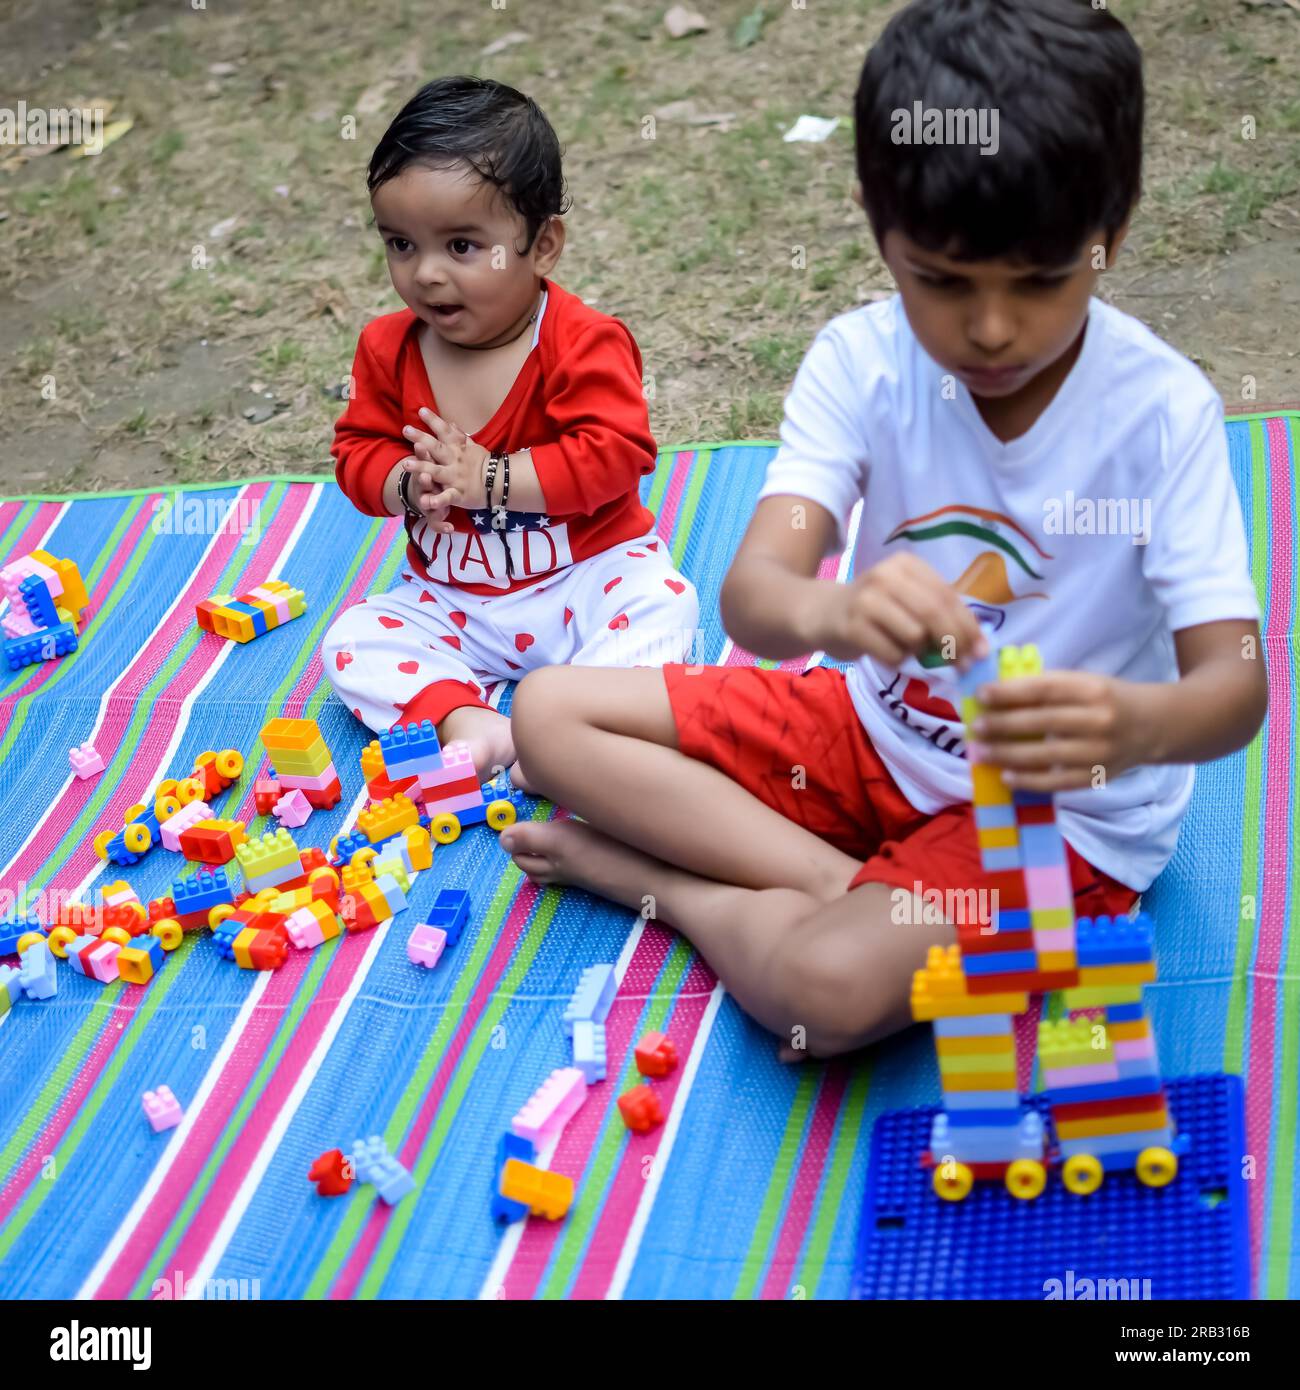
<point>723,247</point>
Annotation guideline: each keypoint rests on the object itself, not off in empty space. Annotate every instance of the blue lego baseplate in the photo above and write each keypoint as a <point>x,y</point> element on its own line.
<point>1190,1239</point>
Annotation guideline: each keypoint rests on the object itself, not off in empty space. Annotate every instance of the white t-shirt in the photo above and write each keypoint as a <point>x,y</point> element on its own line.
<point>1132,445</point>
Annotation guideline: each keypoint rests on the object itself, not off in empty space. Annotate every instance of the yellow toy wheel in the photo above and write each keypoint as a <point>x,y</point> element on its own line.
<point>169,933</point>
<point>230,763</point>
<point>1156,1167</point>
<point>218,914</point>
<point>165,807</point>
<point>30,938</point>
<point>1025,1178</point>
<point>324,874</point>
<point>137,838</point>
<point>501,814</point>
<point>445,828</point>
<point>952,1181</point>
<point>133,813</point>
<point>364,858</point>
<point>101,843</point>
<point>117,934</point>
<point>189,789</point>
<point>1082,1174</point>
<point>60,938</point>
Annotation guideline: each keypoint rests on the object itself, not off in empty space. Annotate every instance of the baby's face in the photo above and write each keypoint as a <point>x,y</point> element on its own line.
<point>994,325</point>
<point>453,246</point>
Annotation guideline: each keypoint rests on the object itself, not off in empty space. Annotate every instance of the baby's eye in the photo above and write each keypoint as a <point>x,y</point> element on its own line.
<point>399,244</point>
<point>461,247</point>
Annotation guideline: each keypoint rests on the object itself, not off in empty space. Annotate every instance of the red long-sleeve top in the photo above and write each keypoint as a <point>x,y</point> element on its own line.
<point>577,403</point>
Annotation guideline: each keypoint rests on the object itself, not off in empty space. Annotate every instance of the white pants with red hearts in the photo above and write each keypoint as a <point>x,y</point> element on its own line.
<point>626,606</point>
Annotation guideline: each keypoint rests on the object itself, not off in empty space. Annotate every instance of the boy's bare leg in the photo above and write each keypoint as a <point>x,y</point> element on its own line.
<point>824,976</point>
<point>487,732</point>
<point>603,743</point>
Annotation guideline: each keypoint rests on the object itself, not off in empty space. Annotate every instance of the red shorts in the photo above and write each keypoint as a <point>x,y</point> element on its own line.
<point>760,727</point>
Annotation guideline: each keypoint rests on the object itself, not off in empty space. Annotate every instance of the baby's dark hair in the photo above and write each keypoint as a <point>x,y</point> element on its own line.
<point>500,133</point>
<point>1066,82</point>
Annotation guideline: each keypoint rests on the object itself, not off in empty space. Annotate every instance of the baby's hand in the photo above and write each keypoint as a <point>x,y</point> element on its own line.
<point>423,495</point>
<point>1057,731</point>
<point>899,608</point>
<point>454,460</point>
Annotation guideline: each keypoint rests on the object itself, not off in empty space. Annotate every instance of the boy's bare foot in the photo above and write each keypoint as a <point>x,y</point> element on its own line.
<point>570,851</point>
<point>488,734</point>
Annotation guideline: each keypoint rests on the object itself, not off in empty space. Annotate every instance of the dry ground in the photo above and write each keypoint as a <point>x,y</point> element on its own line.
<point>237,149</point>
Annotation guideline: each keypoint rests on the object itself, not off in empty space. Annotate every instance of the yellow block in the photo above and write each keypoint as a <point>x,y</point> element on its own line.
<point>242,943</point>
<point>291,734</point>
<point>999,837</point>
<point>977,1062</point>
<point>419,846</point>
<point>1057,960</point>
<point>989,788</point>
<point>977,1045</point>
<point>1137,973</point>
<point>982,1081</point>
<point>1130,1030</point>
<point>372,761</point>
<point>1111,1124</point>
<point>1095,996</point>
<point>388,817</point>
<point>1051,918</point>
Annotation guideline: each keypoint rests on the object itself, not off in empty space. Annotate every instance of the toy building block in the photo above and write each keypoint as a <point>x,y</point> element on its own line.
<point>11,989</point>
<point>409,749</point>
<point>332,1174</point>
<point>86,761</point>
<point>592,999</point>
<point>509,1146</point>
<point>418,846</point>
<point>311,925</point>
<point>162,1109</point>
<point>139,962</point>
<point>172,828</point>
<point>450,913</point>
<point>425,945</point>
<point>589,1050</point>
<point>241,619</point>
<point>640,1109</point>
<point>551,1106</point>
<point>212,841</point>
<point>655,1055</point>
<point>36,971</point>
<point>384,818</point>
<point>544,1193</point>
<point>293,809</point>
<point>214,772</point>
<point>390,885</point>
<point>270,860</point>
<point>375,1165</point>
<point>266,792</point>
<point>43,645</point>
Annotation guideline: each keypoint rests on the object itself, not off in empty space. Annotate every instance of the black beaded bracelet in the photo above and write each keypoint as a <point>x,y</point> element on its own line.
<point>404,493</point>
<point>499,512</point>
<point>490,478</point>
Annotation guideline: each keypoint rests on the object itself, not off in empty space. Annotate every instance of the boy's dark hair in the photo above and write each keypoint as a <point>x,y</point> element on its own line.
<point>500,133</point>
<point>1066,82</point>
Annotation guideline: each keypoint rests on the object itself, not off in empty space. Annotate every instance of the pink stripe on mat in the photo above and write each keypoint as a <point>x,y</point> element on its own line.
<point>34,533</point>
<point>120,711</point>
<point>247,1057</point>
<point>1279,618</point>
<point>811,1167</point>
<point>358,1261</point>
<point>44,671</point>
<point>624,1191</point>
<point>666,521</point>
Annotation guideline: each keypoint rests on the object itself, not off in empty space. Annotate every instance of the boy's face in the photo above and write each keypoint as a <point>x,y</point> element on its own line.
<point>453,252</point>
<point>994,325</point>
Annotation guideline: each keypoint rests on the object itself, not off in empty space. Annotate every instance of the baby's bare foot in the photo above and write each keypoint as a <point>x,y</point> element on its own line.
<point>572,852</point>
<point>488,734</point>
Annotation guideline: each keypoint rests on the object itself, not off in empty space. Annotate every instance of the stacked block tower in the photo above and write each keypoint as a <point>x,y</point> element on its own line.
<point>1099,1072</point>
<point>46,603</point>
<point>302,761</point>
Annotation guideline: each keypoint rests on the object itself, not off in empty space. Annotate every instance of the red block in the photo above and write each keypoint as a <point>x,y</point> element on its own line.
<point>1035,981</point>
<point>640,1109</point>
<point>266,792</point>
<point>1036,815</point>
<point>1010,887</point>
<point>1121,1105</point>
<point>380,788</point>
<point>324,798</point>
<point>207,844</point>
<point>974,942</point>
<point>655,1055</point>
<point>269,949</point>
<point>331,1173</point>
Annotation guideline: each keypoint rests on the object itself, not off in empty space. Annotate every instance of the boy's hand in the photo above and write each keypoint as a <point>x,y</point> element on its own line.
<point>454,461</point>
<point>1059,730</point>
<point>898,608</point>
<point>423,495</point>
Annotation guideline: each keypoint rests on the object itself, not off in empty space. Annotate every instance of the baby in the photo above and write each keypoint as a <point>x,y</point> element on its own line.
<point>506,422</point>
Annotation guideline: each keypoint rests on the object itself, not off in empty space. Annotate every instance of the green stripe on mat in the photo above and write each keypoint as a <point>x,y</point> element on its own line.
<point>774,1199</point>
<point>690,504</point>
<point>609,1152</point>
<point>17,526</point>
<point>830,1203</point>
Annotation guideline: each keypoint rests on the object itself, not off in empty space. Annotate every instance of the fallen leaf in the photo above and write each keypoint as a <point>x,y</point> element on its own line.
<point>679,21</point>
<point>114,130</point>
<point>222,69</point>
<point>751,27</point>
<point>222,228</point>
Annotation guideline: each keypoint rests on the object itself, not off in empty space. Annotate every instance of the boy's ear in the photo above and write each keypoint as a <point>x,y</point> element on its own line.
<point>857,195</point>
<point>548,245</point>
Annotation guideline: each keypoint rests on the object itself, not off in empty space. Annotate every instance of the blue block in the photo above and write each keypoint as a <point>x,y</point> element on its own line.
<point>1103,1090</point>
<point>978,673</point>
<point>995,817</point>
<point>368,1156</point>
<point>1113,1145</point>
<point>153,948</point>
<point>592,999</point>
<point>1014,919</point>
<point>409,749</point>
<point>11,988</point>
<point>256,614</point>
<point>1117,941</point>
<point>36,972</point>
<point>206,890</point>
<point>347,846</point>
<point>973,1026</point>
<point>392,1181</point>
<point>990,1246</point>
<point>450,912</point>
<point>1125,1013</point>
<point>1042,846</point>
<point>223,937</point>
<point>997,962</point>
<point>40,604</point>
<point>589,1055</point>
<point>981,1100</point>
<point>510,1145</point>
<point>996,860</point>
<point>968,1119</point>
<point>25,651</point>
<point>1028,798</point>
<point>392,891</point>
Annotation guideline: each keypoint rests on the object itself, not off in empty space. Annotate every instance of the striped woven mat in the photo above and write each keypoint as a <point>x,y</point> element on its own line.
<point>751,1189</point>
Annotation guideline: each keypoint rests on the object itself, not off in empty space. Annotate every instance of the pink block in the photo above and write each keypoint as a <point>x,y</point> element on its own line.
<point>1130,1049</point>
<point>18,623</point>
<point>162,1109</point>
<point>304,929</point>
<point>293,809</point>
<point>103,962</point>
<point>115,897</point>
<point>181,821</point>
<point>1057,939</point>
<point>458,755</point>
<point>434,778</point>
<point>85,761</point>
<point>1079,1076</point>
<point>1048,886</point>
<point>424,945</point>
<point>552,1106</point>
<point>289,780</point>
